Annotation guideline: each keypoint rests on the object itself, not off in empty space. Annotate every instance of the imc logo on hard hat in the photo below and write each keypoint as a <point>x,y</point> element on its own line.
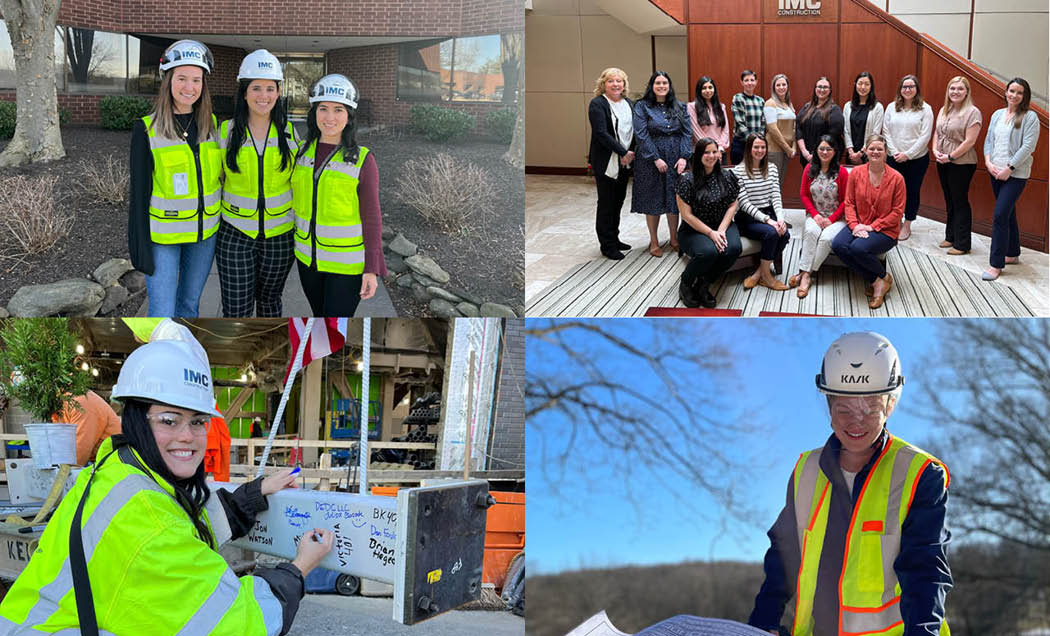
<point>333,90</point>
<point>268,65</point>
<point>194,53</point>
<point>194,377</point>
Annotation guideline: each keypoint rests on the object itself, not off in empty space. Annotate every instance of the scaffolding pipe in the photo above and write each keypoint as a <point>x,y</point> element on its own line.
<point>297,364</point>
<point>366,354</point>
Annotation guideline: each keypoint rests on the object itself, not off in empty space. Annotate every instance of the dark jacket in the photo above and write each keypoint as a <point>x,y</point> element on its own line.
<point>603,136</point>
<point>921,567</point>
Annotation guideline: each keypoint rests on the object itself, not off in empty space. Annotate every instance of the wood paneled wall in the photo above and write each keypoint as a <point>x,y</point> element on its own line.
<point>850,36</point>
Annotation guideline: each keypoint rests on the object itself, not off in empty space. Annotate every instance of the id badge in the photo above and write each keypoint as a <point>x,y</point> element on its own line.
<point>180,183</point>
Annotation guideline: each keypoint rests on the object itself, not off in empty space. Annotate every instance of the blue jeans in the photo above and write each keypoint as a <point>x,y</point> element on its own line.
<point>862,254</point>
<point>1006,237</point>
<point>179,274</point>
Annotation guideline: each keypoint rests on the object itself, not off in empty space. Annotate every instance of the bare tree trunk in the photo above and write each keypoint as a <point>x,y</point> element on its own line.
<point>515,155</point>
<point>31,25</point>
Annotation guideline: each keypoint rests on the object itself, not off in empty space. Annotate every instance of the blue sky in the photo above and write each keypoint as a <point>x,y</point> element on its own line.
<point>634,516</point>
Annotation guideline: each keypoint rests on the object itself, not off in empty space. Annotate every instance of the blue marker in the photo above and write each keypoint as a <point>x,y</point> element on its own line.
<point>296,471</point>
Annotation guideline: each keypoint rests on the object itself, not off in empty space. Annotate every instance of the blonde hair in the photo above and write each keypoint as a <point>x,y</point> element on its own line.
<point>787,93</point>
<point>599,85</point>
<point>967,102</point>
<point>163,115</point>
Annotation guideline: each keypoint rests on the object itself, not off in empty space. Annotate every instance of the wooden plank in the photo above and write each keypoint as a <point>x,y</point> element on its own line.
<point>327,443</point>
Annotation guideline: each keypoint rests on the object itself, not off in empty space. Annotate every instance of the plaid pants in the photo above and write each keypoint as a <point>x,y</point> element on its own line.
<point>252,272</point>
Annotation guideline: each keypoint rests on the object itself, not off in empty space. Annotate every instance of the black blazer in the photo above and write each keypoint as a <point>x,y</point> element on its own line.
<point>603,137</point>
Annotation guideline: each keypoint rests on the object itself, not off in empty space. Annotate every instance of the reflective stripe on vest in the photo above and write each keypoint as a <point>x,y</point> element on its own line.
<point>240,191</point>
<point>174,216</point>
<point>869,593</point>
<point>328,221</point>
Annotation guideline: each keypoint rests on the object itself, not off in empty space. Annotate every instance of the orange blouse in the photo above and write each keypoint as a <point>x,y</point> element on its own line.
<point>880,207</point>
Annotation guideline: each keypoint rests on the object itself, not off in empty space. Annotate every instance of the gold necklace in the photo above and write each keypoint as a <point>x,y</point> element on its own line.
<point>185,129</point>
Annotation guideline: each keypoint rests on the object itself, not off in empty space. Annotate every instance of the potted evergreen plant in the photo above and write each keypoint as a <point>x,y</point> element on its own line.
<point>39,371</point>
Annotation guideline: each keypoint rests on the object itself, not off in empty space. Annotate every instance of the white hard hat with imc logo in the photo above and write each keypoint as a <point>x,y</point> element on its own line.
<point>334,88</point>
<point>170,371</point>
<point>260,64</point>
<point>187,53</point>
<point>860,363</point>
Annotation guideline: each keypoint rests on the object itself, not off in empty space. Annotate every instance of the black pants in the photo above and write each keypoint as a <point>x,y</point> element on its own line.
<point>913,172</point>
<point>736,150</point>
<point>252,272</point>
<point>330,295</point>
<point>705,259</point>
<point>611,193</point>
<point>772,243</point>
<point>955,181</point>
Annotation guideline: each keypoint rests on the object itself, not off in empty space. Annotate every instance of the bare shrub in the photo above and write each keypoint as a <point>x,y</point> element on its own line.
<point>106,181</point>
<point>455,195</point>
<point>31,214</point>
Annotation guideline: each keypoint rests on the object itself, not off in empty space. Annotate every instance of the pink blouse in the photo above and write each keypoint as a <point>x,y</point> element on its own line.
<point>720,135</point>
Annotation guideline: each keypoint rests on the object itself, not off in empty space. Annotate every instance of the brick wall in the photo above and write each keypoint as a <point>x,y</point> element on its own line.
<point>508,435</point>
<point>83,108</point>
<point>374,70</point>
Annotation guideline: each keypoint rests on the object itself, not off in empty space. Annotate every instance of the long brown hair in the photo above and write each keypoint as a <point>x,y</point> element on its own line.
<point>763,165</point>
<point>163,115</point>
<point>825,110</point>
<point>1026,99</point>
<point>916,104</point>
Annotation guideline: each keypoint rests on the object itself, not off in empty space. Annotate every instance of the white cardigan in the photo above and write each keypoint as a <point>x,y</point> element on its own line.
<point>872,127</point>
<point>908,131</point>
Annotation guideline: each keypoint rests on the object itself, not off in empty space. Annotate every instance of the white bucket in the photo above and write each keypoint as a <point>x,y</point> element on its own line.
<point>52,444</point>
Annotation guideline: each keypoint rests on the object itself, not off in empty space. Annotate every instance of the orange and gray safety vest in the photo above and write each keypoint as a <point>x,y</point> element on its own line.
<point>242,205</point>
<point>869,594</point>
<point>327,213</point>
<point>179,174</point>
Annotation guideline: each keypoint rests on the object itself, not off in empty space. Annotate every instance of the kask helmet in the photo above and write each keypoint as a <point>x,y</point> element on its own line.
<point>260,64</point>
<point>860,363</point>
<point>172,368</point>
<point>334,88</point>
<point>187,53</point>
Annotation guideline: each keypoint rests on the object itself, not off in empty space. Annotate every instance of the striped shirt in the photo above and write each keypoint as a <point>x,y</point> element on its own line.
<point>758,192</point>
<point>749,115</point>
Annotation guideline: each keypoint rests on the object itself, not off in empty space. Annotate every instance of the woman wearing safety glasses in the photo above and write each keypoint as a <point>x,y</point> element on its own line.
<point>335,197</point>
<point>861,542</point>
<point>133,547</point>
<point>173,211</point>
<point>254,252</point>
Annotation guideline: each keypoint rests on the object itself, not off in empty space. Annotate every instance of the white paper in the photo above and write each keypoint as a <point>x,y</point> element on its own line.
<point>180,183</point>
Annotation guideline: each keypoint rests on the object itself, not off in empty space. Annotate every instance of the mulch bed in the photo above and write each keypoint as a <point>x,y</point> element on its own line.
<point>489,263</point>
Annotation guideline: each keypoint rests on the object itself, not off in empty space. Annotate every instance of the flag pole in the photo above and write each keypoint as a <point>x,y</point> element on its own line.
<point>297,363</point>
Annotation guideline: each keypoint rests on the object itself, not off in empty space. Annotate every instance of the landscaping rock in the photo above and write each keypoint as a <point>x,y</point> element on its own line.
<point>134,281</point>
<point>4,313</point>
<point>109,273</point>
<point>395,263</point>
<point>71,297</point>
<point>420,293</point>
<point>437,292</point>
<point>497,310</point>
<point>115,296</point>
<point>403,246</point>
<point>426,266</point>
<point>406,281</point>
<point>465,295</point>
<point>388,233</point>
<point>427,281</point>
<point>468,310</point>
<point>443,308</point>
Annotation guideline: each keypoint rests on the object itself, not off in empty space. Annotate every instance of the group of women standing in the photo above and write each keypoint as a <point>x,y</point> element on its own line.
<point>251,194</point>
<point>681,150</point>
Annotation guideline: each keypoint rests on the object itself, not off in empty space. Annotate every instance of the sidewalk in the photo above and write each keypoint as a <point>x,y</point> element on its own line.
<point>295,304</point>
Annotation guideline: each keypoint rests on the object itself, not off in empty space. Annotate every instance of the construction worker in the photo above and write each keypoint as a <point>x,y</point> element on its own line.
<point>861,543</point>
<point>254,253</point>
<point>335,197</point>
<point>95,422</point>
<point>173,210</point>
<point>132,547</point>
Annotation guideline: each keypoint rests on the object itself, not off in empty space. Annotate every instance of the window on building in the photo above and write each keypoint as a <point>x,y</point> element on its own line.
<point>96,61</point>
<point>470,69</point>
<point>7,58</point>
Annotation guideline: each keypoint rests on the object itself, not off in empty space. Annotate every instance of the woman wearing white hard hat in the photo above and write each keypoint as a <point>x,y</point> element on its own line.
<point>861,543</point>
<point>132,549</point>
<point>254,252</point>
<point>173,212</point>
<point>335,196</point>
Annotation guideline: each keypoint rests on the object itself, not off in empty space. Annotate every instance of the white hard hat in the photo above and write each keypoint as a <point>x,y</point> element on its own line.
<point>334,88</point>
<point>260,64</point>
<point>860,363</point>
<point>187,53</point>
<point>170,371</point>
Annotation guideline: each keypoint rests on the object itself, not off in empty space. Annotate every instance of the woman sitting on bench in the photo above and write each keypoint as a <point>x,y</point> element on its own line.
<point>875,198</point>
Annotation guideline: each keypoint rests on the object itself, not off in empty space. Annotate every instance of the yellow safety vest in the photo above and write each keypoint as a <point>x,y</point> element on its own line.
<point>869,594</point>
<point>240,191</point>
<point>178,175</point>
<point>327,213</point>
<point>149,572</point>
